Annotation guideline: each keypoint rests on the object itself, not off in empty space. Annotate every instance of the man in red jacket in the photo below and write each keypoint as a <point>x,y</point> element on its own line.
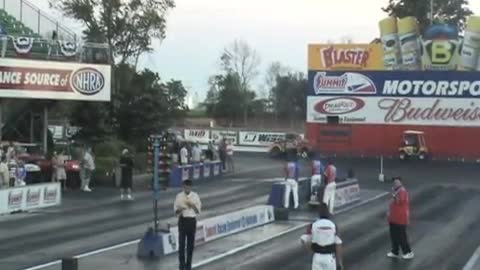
<point>398,218</point>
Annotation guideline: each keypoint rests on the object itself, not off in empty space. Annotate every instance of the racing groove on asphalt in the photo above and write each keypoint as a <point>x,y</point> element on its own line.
<point>444,233</point>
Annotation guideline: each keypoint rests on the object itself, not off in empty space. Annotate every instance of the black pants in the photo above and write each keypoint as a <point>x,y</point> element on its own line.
<point>398,236</point>
<point>186,232</point>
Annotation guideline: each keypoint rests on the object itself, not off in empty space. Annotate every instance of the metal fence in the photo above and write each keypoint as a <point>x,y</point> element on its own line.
<point>32,17</point>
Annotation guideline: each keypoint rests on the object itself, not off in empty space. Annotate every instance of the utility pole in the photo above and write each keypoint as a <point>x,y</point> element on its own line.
<point>431,12</point>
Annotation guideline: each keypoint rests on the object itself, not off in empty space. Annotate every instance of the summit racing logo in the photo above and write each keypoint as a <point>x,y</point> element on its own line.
<point>347,83</point>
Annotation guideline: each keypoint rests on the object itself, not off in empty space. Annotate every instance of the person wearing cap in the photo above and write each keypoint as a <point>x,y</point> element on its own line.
<point>323,240</point>
<point>398,219</point>
<point>126,165</point>
<point>187,206</point>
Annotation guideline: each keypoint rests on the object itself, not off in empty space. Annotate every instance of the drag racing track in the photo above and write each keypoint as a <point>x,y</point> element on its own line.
<point>444,233</point>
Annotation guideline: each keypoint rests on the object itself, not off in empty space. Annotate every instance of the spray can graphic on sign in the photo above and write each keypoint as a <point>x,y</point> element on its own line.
<point>391,48</point>
<point>409,43</point>
<point>470,54</point>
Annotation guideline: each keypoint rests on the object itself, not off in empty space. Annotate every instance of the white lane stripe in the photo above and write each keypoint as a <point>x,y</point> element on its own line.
<point>473,260</point>
<point>249,245</point>
<point>218,257</point>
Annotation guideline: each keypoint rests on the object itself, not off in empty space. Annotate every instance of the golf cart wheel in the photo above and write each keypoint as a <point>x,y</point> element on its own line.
<point>402,156</point>
<point>275,152</point>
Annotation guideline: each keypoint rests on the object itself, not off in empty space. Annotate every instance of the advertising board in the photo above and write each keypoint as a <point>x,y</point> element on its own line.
<point>217,135</point>
<point>254,138</point>
<point>54,80</point>
<point>347,194</point>
<point>402,97</point>
<point>220,226</point>
<point>345,56</point>
<point>197,135</point>
<point>29,197</point>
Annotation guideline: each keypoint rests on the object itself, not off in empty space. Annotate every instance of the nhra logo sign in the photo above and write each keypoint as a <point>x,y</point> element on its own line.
<point>88,81</point>
<point>346,83</point>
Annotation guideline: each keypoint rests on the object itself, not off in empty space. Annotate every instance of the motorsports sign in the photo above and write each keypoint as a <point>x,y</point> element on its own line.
<point>54,80</point>
<point>400,97</point>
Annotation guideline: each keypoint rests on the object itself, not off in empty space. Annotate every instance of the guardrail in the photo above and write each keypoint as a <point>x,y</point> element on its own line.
<point>30,197</point>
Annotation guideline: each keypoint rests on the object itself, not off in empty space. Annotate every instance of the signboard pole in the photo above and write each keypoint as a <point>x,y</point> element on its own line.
<point>156,189</point>
<point>45,129</point>
<point>381,177</point>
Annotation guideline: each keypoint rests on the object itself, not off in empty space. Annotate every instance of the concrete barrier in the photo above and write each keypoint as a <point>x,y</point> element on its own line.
<point>220,226</point>
<point>194,172</point>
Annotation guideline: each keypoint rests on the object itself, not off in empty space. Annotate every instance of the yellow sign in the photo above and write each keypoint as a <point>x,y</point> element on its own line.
<point>345,57</point>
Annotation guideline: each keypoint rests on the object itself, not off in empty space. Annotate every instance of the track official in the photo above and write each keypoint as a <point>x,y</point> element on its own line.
<point>187,206</point>
<point>330,175</point>
<point>323,240</point>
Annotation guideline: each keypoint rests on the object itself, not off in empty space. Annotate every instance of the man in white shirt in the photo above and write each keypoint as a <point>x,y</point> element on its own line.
<point>229,148</point>
<point>196,153</point>
<point>187,206</point>
<point>88,166</point>
<point>323,240</point>
<point>184,155</point>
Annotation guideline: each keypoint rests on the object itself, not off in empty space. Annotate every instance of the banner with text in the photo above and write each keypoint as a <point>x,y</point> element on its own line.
<point>255,138</point>
<point>218,135</point>
<point>197,135</point>
<point>54,80</point>
<point>345,57</point>
<point>29,197</point>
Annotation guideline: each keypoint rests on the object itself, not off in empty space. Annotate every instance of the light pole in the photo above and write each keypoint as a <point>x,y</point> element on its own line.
<point>431,12</point>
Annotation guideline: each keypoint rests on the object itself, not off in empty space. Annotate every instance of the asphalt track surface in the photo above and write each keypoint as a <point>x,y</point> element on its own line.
<point>444,233</point>
<point>444,226</point>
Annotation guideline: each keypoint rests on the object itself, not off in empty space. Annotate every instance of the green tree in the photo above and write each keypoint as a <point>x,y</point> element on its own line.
<point>240,59</point>
<point>127,26</point>
<point>452,12</point>
<point>289,95</point>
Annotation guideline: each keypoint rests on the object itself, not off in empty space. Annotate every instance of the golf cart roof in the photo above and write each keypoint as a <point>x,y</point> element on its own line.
<point>416,132</point>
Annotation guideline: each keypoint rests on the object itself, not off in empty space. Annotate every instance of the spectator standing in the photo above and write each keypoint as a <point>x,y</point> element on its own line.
<point>126,164</point>
<point>11,155</point>
<point>21,174</point>
<point>229,156</point>
<point>59,173</point>
<point>291,185</point>
<point>222,151</point>
<point>187,206</point>
<point>210,150</point>
<point>184,155</point>
<point>196,153</point>
<point>398,219</point>
<point>88,166</point>
<point>330,175</point>
<point>175,152</point>
<point>4,173</point>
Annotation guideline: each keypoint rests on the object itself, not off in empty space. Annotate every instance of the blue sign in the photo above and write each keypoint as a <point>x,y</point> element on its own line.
<point>452,84</point>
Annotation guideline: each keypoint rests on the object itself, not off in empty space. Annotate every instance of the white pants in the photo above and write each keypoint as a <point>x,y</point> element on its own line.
<point>291,186</point>
<point>324,262</point>
<point>329,196</point>
<point>315,183</point>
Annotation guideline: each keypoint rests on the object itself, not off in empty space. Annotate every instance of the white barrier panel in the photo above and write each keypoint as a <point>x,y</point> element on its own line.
<point>30,197</point>
<point>347,192</point>
<point>255,138</point>
<point>197,135</point>
<point>217,135</point>
<point>221,226</point>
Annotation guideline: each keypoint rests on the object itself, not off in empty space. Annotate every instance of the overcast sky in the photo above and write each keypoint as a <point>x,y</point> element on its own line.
<point>279,30</point>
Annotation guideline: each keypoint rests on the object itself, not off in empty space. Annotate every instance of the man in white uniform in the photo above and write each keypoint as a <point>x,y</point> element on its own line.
<point>316,180</point>
<point>291,185</point>
<point>323,240</point>
<point>331,186</point>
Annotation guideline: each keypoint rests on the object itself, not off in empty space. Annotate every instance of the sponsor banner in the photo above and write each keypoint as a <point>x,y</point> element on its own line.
<point>197,135</point>
<point>57,132</point>
<point>206,170</point>
<point>253,138</point>
<point>237,221</point>
<point>170,240</point>
<point>216,169</point>
<point>196,172</point>
<point>220,226</point>
<point>217,135</point>
<point>186,173</point>
<point>54,80</point>
<point>395,110</point>
<point>347,194</point>
<point>29,197</point>
<point>345,57</point>
<point>427,84</point>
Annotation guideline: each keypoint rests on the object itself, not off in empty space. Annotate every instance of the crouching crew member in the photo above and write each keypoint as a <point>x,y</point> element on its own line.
<point>323,240</point>
<point>291,185</point>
